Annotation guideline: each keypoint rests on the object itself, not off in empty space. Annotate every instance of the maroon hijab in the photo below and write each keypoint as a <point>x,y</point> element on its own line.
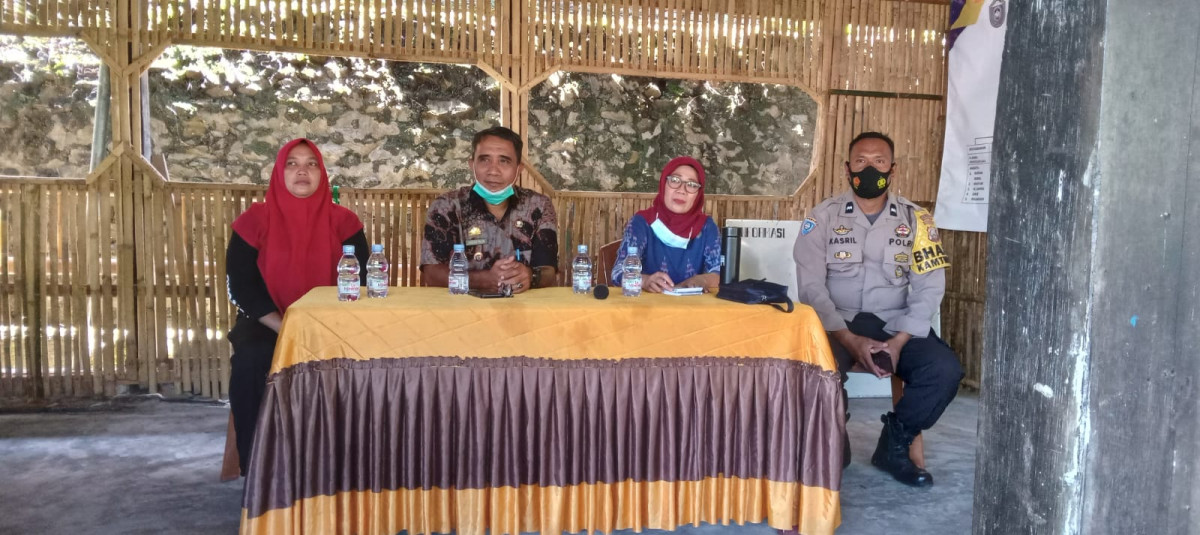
<point>299,241</point>
<point>686,225</point>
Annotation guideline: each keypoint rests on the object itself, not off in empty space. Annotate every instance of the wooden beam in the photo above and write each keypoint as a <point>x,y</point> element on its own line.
<point>1089,400</point>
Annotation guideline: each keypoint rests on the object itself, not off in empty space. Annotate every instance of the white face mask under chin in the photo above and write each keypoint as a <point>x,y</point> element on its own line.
<point>489,196</point>
<point>669,238</point>
<point>496,192</point>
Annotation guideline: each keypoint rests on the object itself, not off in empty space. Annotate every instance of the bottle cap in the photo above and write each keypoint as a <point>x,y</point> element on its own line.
<point>377,248</point>
<point>633,249</point>
<point>583,248</point>
<point>458,248</point>
<point>347,249</point>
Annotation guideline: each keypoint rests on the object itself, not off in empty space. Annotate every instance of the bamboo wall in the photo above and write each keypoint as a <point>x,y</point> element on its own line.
<point>118,278</point>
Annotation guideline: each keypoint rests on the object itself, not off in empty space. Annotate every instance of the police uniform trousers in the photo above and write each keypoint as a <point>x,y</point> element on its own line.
<point>929,368</point>
<point>253,348</point>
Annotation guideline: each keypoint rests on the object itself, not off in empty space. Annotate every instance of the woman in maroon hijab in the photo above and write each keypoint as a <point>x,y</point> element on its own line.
<point>679,245</point>
<point>280,249</point>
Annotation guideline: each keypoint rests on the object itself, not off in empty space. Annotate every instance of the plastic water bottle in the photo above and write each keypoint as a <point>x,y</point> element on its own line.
<point>377,272</point>
<point>460,282</point>
<point>631,276</point>
<point>347,278</point>
<point>581,272</point>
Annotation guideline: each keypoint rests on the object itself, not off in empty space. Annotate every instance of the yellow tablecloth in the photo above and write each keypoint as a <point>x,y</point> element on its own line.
<point>426,412</point>
<point>549,323</point>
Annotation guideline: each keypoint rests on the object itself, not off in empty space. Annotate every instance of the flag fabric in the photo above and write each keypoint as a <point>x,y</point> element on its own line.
<point>976,47</point>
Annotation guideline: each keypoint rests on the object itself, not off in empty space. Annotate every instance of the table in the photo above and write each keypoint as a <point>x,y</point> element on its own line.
<point>547,412</point>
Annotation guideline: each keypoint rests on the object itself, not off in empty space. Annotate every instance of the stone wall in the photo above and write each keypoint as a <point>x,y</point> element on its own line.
<point>604,132</point>
<point>221,116</point>
<point>47,106</point>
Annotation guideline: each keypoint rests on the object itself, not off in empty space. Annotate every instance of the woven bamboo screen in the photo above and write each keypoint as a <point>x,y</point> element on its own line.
<point>117,279</point>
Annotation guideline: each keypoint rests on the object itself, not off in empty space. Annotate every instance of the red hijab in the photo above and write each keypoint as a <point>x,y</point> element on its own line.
<point>299,241</point>
<point>686,225</point>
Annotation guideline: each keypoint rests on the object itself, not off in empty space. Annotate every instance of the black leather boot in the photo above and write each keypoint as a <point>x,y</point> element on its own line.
<point>891,455</point>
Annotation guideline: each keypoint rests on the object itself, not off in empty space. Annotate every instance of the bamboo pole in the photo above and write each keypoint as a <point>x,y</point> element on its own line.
<point>9,225</point>
<point>28,255</point>
<point>71,260</point>
<point>60,376</point>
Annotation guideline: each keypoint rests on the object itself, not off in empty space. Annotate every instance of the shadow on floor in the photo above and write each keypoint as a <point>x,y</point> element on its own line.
<point>151,467</point>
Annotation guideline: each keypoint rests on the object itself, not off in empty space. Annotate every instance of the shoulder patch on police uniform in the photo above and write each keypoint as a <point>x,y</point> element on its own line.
<point>931,231</point>
<point>807,226</point>
<point>894,211</point>
<point>849,207</point>
<point>927,251</point>
<point>841,230</point>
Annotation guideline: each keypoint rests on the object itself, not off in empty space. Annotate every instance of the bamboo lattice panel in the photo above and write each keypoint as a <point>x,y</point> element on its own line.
<point>889,46</point>
<point>962,308</point>
<point>916,125</point>
<point>63,328</point>
<point>777,40</point>
<point>119,280</point>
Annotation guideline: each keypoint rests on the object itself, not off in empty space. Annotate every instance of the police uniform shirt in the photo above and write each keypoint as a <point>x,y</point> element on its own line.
<point>892,268</point>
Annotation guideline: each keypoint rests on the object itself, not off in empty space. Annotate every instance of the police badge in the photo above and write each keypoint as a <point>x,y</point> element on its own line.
<point>808,226</point>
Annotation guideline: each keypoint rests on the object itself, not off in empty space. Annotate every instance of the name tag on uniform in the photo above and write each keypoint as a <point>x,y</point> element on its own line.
<point>474,237</point>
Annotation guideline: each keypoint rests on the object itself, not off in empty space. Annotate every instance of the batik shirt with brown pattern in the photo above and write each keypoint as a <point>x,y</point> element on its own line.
<point>461,216</point>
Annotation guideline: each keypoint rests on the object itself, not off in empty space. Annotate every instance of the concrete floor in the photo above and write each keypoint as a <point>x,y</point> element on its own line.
<point>149,466</point>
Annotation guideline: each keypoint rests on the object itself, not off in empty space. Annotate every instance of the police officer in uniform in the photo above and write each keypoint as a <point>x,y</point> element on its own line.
<point>872,265</point>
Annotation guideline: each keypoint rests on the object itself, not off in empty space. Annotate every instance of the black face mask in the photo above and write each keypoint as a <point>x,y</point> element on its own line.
<point>870,182</point>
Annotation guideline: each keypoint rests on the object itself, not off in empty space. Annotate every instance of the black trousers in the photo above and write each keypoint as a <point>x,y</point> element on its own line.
<point>929,368</point>
<point>253,347</point>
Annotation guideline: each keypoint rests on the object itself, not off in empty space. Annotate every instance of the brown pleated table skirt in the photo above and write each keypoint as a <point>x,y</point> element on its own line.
<point>548,412</point>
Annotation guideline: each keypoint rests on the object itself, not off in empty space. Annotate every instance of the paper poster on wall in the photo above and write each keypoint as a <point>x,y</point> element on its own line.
<point>767,251</point>
<point>976,41</point>
<point>767,254</point>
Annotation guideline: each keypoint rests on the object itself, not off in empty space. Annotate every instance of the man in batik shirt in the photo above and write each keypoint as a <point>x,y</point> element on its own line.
<point>510,233</point>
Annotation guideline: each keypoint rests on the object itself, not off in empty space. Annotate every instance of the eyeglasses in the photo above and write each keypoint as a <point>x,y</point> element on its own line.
<point>674,181</point>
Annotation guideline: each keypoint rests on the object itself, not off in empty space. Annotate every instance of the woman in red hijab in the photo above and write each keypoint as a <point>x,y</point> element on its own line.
<point>279,250</point>
<point>679,245</point>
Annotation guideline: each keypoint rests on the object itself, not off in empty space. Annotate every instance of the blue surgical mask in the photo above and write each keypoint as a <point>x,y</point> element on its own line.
<point>493,197</point>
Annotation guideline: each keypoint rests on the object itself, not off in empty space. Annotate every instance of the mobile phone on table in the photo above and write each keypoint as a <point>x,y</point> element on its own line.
<point>487,295</point>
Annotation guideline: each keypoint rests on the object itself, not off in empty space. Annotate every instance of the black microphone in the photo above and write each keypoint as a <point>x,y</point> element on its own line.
<point>600,292</point>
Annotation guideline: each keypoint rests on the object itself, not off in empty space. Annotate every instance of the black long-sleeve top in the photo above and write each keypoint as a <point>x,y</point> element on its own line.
<point>248,290</point>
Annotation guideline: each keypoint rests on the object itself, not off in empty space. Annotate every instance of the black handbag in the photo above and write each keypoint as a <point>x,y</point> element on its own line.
<point>755,292</point>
